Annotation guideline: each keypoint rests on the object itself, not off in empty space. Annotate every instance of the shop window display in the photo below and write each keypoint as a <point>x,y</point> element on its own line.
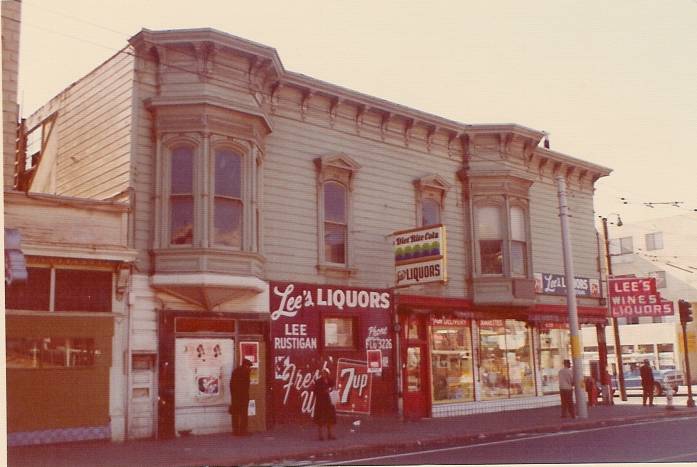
<point>554,349</point>
<point>506,367</point>
<point>51,352</point>
<point>452,365</point>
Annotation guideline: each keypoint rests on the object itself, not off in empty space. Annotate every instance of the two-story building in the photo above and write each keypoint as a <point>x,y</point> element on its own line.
<point>263,207</point>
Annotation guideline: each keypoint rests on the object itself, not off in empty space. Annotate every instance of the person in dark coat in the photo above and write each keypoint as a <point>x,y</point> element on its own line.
<point>239,397</point>
<point>325,414</point>
<point>647,382</point>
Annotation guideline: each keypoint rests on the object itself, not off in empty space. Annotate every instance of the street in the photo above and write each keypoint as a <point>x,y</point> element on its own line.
<point>672,440</point>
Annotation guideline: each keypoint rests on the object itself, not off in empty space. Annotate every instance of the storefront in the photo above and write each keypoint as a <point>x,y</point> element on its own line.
<point>197,353</point>
<point>461,360</point>
<point>348,331</point>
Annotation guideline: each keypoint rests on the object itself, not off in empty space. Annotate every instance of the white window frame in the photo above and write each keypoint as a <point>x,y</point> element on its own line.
<point>170,147</point>
<point>341,169</point>
<point>430,188</point>
<point>654,241</point>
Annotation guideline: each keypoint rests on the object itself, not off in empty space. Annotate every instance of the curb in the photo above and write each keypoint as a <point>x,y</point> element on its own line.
<point>468,439</point>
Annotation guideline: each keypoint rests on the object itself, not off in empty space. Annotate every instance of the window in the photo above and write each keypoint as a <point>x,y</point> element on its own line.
<point>622,246</point>
<point>488,220</point>
<point>430,197</point>
<point>519,248</point>
<point>182,196</point>
<point>335,175</point>
<point>554,349</point>
<point>73,290</point>
<point>51,352</point>
<point>335,224</point>
<point>430,212</point>
<point>227,202</point>
<point>339,333</point>
<point>654,241</point>
<point>660,277</point>
<point>452,364</point>
<point>506,359</point>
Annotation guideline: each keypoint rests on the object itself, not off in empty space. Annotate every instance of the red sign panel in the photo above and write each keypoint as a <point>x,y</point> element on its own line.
<point>637,296</point>
<point>354,384</point>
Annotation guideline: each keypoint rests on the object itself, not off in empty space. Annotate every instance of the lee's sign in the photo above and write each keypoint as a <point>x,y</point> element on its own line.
<point>637,296</point>
<point>420,256</point>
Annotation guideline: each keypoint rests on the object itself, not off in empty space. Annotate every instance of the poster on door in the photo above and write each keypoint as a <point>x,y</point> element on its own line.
<point>202,369</point>
<point>250,351</point>
<point>354,383</point>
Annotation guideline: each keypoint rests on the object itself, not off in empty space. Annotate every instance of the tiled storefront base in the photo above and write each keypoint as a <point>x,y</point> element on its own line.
<point>59,435</point>
<point>501,405</point>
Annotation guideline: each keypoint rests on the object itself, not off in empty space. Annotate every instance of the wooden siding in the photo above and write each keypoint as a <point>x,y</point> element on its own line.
<point>94,130</point>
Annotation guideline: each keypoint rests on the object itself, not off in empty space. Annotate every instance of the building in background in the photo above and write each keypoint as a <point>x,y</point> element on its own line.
<point>664,249</point>
<point>302,225</point>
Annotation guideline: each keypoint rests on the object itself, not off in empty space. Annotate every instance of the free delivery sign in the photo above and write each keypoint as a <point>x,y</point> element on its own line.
<point>420,256</point>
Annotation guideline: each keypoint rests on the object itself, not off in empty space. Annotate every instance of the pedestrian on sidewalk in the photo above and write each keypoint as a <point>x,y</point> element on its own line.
<point>239,398</point>
<point>325,413</point>
<point>647,383</point>
<point>566,390</point>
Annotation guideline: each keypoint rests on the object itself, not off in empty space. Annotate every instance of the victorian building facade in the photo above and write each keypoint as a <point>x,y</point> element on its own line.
<point>262,210</point>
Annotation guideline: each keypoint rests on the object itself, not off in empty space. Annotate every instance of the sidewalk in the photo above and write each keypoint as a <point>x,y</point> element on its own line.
<point>288,442</point>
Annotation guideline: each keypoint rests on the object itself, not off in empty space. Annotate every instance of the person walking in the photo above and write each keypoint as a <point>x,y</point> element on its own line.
<point>647,383</point>
<point>566,390</point>
<point>325,413</point>
<point>239,398</point>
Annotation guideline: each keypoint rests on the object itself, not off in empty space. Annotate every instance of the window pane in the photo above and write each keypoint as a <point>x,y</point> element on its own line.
<point>654,241</point>
<point>334,202</point>
<point>626,245</point>
<point>519,257</point>
<point>338,332</point>
<point>83,290</point>
<point>228,222</point>
<point>430,212</point>
<point>493,370</point>
<point>182,215</point>
<point>51,352</point>
<point>491,256</point>
<point>519,357</point>
<point>228,179</point>
<point>452,364</point>
<point>413,369</point>
<point>517,224</point>
<point>660,277</point>
<point>554,349</point>
<point>182,170</point>
<point>334,243</point>
<point>32,295</point>
<point>488,220</point>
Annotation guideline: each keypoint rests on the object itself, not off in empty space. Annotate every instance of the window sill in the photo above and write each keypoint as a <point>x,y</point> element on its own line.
<point>336,269</point>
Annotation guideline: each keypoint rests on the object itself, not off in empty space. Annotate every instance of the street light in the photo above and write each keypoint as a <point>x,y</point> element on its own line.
<point>615,324</point>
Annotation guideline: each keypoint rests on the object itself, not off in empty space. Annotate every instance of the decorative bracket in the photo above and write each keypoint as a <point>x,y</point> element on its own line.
<point>305,103</point>
<point>430,135</point>
<point>408,128</point>
<point>385,124</point>
<point>334,110</point>
<point>275,95</point>
<point>360,115</point>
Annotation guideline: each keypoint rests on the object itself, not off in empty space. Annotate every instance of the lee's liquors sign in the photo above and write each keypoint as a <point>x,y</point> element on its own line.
<point>637,296</point>
<point>420,256</point>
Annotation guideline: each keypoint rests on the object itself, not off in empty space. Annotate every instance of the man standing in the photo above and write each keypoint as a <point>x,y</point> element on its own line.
<point>647,383</point>
<point>566,390</point>
<point>239,397</point>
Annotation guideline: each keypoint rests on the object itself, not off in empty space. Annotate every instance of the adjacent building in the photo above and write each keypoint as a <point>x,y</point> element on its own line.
<point>266,212</point>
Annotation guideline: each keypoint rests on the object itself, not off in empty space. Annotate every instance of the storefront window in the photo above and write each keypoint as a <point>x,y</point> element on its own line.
<point>413,369</point>
<point>506,359</point>
<point>338,332</point>
<point>554,349</point>
<point>51,352</point>
<point>451,354</point>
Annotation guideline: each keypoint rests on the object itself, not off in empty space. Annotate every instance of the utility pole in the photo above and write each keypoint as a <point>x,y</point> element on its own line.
<point>576,349</point>
<point>615,325</point>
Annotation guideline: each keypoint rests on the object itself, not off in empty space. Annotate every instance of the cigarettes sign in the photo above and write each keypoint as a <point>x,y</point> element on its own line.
<point>637,296</point>
<point>420,256</point>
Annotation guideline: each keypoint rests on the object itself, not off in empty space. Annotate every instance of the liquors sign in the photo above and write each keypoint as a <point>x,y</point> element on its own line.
<point>637,296</point>
<point>420,256</point>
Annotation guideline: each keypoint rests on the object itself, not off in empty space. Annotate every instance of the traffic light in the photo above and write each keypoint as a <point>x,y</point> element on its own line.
<point>685,311</point>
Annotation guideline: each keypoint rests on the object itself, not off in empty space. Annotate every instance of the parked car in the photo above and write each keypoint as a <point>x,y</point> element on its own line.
<point>663,379</point>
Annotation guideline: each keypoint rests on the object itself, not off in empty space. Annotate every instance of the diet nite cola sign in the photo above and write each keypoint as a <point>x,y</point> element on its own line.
<point>420,256</point>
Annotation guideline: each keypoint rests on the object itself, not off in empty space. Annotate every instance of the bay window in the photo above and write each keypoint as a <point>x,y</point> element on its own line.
<point>519,249</point>
<point>488,221</point>
<point>181,199</point>
<point>227,201</point>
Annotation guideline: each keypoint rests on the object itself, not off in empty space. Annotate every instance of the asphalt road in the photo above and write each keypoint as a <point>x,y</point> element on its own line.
<point>669,440</point>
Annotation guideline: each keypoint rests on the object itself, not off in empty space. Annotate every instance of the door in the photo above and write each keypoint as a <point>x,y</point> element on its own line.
<point>416,384</point>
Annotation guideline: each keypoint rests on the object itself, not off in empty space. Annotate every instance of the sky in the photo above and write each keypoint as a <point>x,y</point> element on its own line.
<point>613,83</point>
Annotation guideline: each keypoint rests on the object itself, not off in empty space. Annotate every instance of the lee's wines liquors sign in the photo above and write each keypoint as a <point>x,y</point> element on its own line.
<point>637,296</point>
<point>420,256</point>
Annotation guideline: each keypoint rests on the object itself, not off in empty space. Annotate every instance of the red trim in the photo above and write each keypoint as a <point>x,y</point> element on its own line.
<point>599,311</point>
<point>432,302</point>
